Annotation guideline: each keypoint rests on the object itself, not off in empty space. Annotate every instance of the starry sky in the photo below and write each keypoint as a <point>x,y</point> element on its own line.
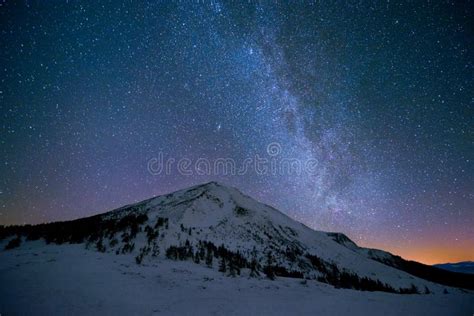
<point>378,94</point>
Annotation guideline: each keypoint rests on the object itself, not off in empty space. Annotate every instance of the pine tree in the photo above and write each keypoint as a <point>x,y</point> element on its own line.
<point>100,246</point>
<point>427,290</point>
<point>14,243</point>
<point>269,269</point>
<point>253,268</point>
<point>209,258</point>
<point>196,258</point>
<point>222,265</point>
<point>139,259</point>
<point>233,270</point>
<point>254,264</point>
<point>202,251</point>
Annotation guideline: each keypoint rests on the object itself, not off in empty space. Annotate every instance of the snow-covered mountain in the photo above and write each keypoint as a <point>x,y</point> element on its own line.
<point>219,227</point>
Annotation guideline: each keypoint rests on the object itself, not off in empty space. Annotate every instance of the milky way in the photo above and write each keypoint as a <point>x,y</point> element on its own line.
<point>379,95</point>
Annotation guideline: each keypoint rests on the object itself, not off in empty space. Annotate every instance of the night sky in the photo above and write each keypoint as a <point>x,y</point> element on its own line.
<point>380,95</point>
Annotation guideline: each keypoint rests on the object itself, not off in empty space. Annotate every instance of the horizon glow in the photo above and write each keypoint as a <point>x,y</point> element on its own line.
<point>378,95</point>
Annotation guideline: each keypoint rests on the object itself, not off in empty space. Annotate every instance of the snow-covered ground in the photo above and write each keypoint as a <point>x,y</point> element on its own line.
<point>39,279</point>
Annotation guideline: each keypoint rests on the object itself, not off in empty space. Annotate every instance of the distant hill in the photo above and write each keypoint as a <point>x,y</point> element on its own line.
<point>462,267</point>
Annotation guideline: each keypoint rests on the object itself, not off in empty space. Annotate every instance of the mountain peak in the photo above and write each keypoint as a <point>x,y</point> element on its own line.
<point>218,191</point>
<point>214,184</point>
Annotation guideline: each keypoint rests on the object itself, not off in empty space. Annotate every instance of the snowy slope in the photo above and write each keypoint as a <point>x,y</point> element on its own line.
<point>39,279</point>
<point>224,216</point>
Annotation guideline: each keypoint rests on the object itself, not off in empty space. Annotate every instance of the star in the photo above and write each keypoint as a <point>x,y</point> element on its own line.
<point>380,105</point>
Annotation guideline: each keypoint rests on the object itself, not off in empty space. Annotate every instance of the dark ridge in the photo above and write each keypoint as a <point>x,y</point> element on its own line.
<point>341,239</point>
<point>430,273</point>
<point>459,267</point>
<point>75,231</point>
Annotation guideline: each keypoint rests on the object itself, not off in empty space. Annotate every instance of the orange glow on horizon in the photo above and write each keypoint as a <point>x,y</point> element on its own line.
<point>431,254</point>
